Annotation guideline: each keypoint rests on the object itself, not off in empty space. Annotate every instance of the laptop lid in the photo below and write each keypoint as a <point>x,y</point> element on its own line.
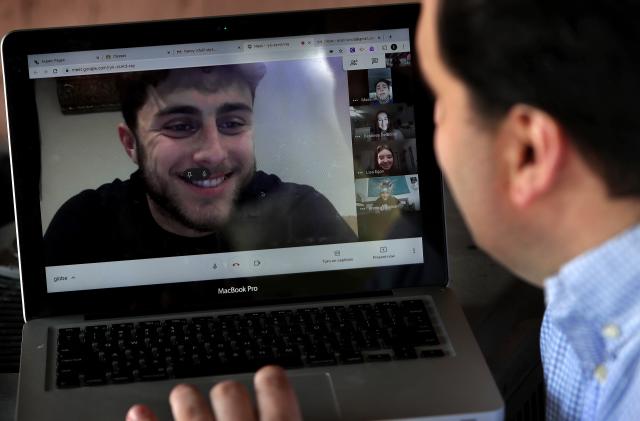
<point>304,169</point>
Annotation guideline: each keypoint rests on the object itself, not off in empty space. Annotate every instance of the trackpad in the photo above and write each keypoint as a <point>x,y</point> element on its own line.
<point>315,394</point>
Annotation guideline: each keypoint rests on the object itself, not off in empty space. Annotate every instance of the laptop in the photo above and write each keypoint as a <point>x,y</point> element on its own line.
<point>197,198</point>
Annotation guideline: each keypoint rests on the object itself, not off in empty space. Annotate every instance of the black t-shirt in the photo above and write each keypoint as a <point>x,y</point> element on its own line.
<point>114,222</point>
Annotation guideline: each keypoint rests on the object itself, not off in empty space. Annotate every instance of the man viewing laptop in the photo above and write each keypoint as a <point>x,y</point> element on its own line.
<point>538,137</point>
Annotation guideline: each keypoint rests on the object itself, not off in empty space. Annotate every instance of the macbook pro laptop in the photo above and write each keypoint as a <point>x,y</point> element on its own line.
<point>198,198</point>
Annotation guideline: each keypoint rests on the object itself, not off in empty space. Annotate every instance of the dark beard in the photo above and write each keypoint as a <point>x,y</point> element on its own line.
<point>169,206</point>
<point>174,211</point>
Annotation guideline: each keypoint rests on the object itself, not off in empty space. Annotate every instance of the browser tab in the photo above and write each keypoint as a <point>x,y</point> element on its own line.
<point>53,61</point>
<point>278,44</point>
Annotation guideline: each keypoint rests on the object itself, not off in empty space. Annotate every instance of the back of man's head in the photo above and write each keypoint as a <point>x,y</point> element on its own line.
<point>577,60</point>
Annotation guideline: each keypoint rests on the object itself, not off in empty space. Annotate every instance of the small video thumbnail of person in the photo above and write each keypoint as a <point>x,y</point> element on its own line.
<point>380,88</point>
<point>398,59</point>
<point>378,159</point>
<point>390,85</point>
<point>388,207</point>
<point>385,194</point>
<point>373,86</point>
<point>382,123</point>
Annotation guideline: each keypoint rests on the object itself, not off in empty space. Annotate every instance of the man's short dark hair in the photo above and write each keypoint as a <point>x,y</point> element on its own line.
<point>133,87</point>
<point>577,60</point>
<point>385,81</point>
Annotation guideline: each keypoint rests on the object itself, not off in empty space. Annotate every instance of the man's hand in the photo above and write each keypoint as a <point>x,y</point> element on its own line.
<point>230,400</point>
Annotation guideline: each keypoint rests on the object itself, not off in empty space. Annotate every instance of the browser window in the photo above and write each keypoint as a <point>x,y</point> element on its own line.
<point>241,159</point>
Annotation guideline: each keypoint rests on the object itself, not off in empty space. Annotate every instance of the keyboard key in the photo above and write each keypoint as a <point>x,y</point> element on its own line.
<point>372,358</point>
<point>404,352</point>
<point>352,357</point>
<point>425,338</point>
<point>432,353</point>
<point>67,378</point>
<point>316,360</point>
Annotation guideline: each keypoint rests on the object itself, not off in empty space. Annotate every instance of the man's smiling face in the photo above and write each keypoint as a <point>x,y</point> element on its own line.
<point>382,92</point>
<point>196,118</point>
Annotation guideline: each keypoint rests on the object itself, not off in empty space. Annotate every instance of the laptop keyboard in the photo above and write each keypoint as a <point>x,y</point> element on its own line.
<point>238,343</point>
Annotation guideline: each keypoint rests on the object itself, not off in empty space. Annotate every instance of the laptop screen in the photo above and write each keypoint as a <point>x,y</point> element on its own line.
<point>230,160</point>
<point>239,158</point>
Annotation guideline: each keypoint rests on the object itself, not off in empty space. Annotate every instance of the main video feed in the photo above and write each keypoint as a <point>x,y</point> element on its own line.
<point>196,161</point>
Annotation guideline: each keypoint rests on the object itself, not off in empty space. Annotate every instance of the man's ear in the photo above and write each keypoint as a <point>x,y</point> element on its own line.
<point>535,148</point>
<point>128,140</point>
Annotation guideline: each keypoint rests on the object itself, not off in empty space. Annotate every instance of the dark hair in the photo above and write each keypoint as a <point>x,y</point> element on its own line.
<point>133,87</point>
<point>386,81</point>
<point>576,60</point>
<point>381,148</point>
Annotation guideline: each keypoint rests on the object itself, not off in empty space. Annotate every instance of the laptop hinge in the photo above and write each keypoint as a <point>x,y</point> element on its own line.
<point>406,292</point>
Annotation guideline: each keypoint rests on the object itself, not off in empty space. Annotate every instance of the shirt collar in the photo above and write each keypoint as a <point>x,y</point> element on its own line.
<point>595,291</point>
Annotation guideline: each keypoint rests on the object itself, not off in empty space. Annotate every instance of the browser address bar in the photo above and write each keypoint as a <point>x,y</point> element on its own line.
<point>261,54</point>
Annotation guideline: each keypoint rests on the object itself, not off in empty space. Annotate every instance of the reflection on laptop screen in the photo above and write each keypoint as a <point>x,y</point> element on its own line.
<point>222,160</point>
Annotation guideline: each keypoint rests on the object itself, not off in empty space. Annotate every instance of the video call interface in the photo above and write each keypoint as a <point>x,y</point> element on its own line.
<point>334,154</point>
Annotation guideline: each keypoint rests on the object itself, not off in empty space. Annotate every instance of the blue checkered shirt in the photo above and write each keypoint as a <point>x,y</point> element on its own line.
<point>590,338</point>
